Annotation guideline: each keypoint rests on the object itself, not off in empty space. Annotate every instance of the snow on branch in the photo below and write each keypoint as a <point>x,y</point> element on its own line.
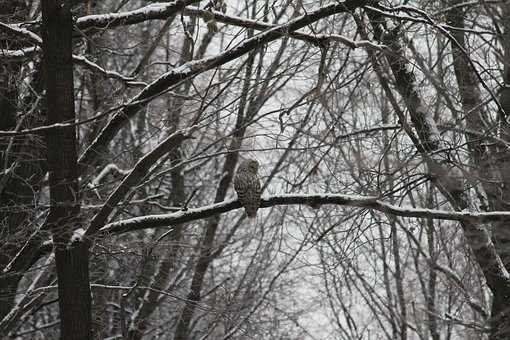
<point>316,39</point>
<point>153,11</point>
<point>16,30</point>
<point>162,11</point>
<point>98,69</point>
<point>313,200</point>
<point>20,33</point>
<point>18,54</point>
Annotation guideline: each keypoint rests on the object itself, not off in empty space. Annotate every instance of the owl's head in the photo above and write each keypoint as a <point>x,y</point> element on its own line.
<point>250,165</point>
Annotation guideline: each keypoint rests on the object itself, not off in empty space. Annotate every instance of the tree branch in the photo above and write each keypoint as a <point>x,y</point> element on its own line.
<point>313,200</point>
<point>153,11</point>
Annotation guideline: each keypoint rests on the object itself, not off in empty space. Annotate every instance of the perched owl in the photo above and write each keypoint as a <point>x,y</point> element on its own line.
<point>247,185</point>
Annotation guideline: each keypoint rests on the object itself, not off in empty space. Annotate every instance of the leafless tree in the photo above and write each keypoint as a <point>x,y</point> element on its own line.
<point>381,130</point>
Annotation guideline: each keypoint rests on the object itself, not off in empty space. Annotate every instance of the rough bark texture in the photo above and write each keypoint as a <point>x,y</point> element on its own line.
<point>71,258</point>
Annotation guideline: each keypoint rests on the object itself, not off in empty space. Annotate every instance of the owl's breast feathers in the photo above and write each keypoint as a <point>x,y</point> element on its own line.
<point>247,186</point>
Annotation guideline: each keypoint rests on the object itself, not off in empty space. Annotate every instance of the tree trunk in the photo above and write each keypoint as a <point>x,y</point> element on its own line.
<point>71,257</point>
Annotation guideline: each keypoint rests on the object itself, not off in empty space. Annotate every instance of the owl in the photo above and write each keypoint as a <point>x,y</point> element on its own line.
<point>247,186</point>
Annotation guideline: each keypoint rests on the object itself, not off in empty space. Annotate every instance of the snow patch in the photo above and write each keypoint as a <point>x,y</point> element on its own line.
<point>77,235</point>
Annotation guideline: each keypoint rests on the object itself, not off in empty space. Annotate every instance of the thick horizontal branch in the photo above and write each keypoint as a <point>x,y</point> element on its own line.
<point>313,200</point>
<point>151,12</point>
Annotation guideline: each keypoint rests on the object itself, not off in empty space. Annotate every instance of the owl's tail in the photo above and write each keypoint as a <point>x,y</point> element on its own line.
<point>252,220</point>
<point>251,212</point>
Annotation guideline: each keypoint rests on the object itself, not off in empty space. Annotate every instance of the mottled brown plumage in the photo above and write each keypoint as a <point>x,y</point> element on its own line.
<point>247,186</point>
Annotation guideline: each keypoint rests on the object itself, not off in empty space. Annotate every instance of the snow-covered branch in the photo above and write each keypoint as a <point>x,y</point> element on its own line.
<point>20,32</point>
<point>317,39</point>
<point>153,11</point>
<point>18,54</point>
<point>162,11</point>
<point>98,69</point>
<point>23,34</point>
<point>313,200</point>
<point>110,168</point>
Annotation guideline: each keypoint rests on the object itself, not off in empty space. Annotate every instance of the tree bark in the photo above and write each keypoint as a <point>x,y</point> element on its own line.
<point>72,258</point>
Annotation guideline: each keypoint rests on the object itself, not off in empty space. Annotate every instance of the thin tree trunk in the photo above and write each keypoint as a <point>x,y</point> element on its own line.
<point>430,298</point>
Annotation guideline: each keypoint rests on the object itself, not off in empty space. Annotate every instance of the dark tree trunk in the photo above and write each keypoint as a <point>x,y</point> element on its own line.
<point>72,258</point>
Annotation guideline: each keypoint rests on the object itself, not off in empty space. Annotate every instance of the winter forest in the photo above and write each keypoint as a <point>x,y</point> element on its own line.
<point>381,129</point>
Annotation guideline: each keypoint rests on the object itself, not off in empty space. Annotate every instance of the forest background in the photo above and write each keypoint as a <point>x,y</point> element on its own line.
<point>382,133</point>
